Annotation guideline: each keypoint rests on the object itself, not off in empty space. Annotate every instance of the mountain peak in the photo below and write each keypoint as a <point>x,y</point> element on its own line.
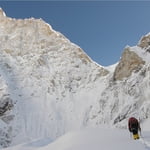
<point>145,42</point>
<point>2,13</point>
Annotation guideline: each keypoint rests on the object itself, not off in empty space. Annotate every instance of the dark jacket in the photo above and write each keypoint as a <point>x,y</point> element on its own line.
<point>133,125</point>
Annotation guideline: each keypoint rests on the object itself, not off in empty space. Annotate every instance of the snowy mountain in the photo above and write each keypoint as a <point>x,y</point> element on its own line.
<point>50,86</point>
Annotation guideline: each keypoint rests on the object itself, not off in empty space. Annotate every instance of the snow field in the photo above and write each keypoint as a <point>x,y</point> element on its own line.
<point>101,138</point>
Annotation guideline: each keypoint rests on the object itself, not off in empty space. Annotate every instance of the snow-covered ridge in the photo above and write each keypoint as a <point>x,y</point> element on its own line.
<point>144,54</point>
<point>50,86</point>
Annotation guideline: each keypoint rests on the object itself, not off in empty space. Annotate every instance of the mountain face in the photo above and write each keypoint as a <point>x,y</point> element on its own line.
<point>50,86</point>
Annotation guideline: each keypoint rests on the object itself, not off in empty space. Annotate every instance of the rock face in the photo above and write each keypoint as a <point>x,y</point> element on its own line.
<point>145,41</point>
<point>129,62</point>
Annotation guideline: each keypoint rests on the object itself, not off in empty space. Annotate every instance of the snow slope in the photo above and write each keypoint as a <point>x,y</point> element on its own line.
<point>90,139</point>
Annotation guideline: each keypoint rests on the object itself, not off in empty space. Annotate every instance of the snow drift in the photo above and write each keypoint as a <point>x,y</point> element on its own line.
<point>89,139</point>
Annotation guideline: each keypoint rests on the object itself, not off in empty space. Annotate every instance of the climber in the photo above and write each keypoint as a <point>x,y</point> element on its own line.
<point>134,127</point>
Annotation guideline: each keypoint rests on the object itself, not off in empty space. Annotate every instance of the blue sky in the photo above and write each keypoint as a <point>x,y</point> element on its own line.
<point>102,29</point>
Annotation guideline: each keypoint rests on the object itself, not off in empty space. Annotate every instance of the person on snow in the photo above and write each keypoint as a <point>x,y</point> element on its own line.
<point>134,127</point>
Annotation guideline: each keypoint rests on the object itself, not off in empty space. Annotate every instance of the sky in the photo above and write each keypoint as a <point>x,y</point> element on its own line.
<point>101,28</point>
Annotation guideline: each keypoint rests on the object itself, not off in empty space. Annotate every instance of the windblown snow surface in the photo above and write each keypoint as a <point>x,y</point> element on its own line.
<point>102,138</point>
